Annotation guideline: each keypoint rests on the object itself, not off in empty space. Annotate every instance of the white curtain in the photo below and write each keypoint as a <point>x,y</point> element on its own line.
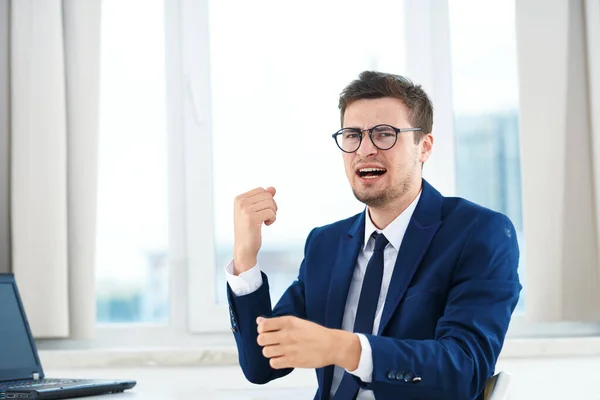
<point>559,55</point>
<point>4,141</point>
<point>55,49</point>
<point>592,24</point>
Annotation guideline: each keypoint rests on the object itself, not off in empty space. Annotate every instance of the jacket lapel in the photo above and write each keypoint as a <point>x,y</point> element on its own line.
<point>341,276</point>
<point>342,272</point>
<point>422,227</point>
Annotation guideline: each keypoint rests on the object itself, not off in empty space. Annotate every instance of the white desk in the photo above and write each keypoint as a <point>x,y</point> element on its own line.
<point>219,383</point>
<point>531,377</point>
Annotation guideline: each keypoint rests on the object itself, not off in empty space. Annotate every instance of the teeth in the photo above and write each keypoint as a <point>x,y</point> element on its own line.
<point>371,169</point>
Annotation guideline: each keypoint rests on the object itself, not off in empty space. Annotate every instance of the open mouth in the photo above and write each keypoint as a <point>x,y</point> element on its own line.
<point>370,172</point>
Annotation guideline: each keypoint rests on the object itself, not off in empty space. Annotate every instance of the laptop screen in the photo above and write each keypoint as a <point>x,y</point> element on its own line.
<point>17,353</point>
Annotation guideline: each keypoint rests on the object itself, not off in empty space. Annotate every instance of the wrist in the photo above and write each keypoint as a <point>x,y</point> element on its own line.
<point>242,263</point>
<point>347,349</point>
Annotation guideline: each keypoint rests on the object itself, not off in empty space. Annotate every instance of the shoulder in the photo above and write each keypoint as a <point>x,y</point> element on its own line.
<point>331,233</point>
<point>459,212</point>
<point>487,237</point>
<point>337,228</point>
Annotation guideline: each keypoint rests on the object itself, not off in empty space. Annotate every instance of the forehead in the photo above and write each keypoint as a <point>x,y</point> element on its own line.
<point>365,113</point>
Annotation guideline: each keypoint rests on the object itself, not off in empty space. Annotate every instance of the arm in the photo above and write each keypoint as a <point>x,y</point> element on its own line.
<point>471,333</point>
<point>244,312</point>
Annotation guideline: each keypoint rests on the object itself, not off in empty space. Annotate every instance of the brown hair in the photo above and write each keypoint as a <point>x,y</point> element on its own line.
<point>374,85</point>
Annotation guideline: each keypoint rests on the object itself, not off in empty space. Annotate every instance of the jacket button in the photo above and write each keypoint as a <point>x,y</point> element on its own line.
<point>392,375</point>
<point>400,376</point>
<point>416,379</point>
<point>408,377</point>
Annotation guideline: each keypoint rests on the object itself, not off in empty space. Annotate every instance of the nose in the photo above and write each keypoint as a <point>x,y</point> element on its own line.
<point>366,148</point>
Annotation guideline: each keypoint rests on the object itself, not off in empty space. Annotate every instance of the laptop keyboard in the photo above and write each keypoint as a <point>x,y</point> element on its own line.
<point>32,384</point>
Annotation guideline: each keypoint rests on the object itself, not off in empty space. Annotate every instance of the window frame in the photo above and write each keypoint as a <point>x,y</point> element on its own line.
<point>189,77</point>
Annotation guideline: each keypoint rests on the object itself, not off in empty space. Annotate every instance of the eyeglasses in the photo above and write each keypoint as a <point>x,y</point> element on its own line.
<point>383,136</point>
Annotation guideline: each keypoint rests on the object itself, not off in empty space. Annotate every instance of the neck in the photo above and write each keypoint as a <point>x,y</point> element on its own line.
<point>384,215</point>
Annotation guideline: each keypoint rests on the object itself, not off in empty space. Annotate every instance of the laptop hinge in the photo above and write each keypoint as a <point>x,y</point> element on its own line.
<point>36,376</point>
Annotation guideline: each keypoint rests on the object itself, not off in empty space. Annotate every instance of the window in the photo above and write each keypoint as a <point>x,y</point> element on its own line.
<point>275,87</point>
<point>132,220</point>
<point>485,88</point>
<point>249,98</point>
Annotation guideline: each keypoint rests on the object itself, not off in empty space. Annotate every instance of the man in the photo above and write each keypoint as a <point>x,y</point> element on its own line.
<point>410,299</point>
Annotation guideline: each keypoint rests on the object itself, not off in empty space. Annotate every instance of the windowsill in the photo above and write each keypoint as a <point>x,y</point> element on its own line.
<point>138,357</point>
<point>216,355</point>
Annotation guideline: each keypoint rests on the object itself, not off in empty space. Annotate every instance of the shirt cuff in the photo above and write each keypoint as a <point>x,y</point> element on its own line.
<point>245,283</point>
<point>364,371</point>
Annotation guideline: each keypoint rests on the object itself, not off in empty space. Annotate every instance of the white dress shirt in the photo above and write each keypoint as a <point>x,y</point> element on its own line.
<point>249,281</point>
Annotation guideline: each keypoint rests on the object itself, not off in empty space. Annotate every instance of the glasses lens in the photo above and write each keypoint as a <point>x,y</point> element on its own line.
<point>384,137</point>
<point>348,140</point>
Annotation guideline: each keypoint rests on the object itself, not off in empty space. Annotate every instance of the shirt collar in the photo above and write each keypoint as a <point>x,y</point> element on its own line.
<point>394,232</point>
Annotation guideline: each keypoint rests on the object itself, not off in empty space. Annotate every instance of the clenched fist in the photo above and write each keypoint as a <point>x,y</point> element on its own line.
<point>291,342</point>
<point>251,210</point>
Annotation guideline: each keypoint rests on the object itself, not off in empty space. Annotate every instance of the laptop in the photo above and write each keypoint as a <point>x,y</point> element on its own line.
<point>21,373</point>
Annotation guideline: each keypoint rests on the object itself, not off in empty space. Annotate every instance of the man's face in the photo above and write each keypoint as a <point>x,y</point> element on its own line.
<point>401,164</point>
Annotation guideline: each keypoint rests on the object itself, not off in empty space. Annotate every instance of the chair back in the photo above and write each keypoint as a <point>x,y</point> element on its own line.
<point>497,387</point>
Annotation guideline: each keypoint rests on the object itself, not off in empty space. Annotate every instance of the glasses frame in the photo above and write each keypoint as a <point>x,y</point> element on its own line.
<point>370,130</point>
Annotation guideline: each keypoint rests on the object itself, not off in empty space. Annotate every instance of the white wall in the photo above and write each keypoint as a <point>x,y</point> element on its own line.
<point>4,141</point>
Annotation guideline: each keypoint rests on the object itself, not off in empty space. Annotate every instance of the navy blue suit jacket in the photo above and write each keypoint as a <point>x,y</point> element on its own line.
<point>450,300</point>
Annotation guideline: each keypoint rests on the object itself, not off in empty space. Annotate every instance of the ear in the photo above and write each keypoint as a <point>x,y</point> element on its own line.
<point>426,147</point>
